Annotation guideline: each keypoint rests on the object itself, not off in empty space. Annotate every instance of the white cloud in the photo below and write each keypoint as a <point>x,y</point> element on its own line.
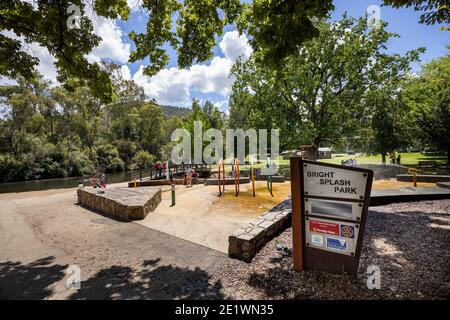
<point>7,81</point>
<point>174,86</point>
<point>112,46</point>
<point>46,61</point>
<point>126,73</point>
<point>222,105</point>
<point>134,5</point>
<point>234,45</point>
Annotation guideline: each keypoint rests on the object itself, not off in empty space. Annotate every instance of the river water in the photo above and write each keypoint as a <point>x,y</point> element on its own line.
<point>380,172</point>
<point>60,183</point>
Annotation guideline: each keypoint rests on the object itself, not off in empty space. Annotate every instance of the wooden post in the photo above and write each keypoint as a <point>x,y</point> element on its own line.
<point>297,221</point>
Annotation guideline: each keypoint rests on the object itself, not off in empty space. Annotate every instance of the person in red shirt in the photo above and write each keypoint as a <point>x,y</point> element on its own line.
<point>156,168</point>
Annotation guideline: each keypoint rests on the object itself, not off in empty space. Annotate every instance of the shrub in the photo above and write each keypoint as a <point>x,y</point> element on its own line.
<point>143,159</point>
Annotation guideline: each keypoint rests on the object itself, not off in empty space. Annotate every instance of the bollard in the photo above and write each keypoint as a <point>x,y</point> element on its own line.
<point>413,171</point>
<point>269,177</point>
<point>173,195</point>
<point>135,183</point>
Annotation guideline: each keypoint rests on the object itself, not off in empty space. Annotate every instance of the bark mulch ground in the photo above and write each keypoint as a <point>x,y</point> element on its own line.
<point>409,242</point>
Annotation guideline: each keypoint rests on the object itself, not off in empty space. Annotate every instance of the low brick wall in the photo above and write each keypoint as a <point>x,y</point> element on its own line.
<point>445,185</point>
<point>228,181</point>
<point>245,242</point>
<point>275,179</point>
<point>430,178</point>
<point>122,204</point>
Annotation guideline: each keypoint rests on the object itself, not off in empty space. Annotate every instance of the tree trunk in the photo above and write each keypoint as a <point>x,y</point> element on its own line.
<point>314,151</point>
<point>448,154</point>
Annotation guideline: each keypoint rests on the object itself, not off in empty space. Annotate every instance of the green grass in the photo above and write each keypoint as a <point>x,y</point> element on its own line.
<point>407,158</point>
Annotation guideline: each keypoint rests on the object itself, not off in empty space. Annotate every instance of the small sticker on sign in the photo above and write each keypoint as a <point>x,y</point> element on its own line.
<point>336,244</point>
<point>317,240</point>
<point>347,231</point>
<point>324,227</point>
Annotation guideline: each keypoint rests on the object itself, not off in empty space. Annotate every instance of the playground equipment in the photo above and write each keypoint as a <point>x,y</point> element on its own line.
<point>238,180</point>
<point>221,179</point>
<point>236,176</point>
<point>413,171</point>
<point>269,177</point>
<point>221,182</point>
<point>252,175</point>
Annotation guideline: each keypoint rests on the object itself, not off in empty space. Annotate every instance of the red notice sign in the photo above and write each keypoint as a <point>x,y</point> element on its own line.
<point>324,227</point>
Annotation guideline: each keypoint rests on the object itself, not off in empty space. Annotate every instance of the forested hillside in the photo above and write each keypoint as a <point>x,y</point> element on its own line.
<point>59,131</point>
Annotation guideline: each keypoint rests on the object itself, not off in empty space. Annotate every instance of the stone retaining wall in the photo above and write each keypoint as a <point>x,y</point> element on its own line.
<point>122,204</point>
<point>246,241</point>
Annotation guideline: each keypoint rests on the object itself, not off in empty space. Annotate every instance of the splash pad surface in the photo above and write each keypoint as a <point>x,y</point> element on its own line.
<point>201,216</point>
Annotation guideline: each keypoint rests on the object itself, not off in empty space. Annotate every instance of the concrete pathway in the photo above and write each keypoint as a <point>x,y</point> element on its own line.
<point>43,233</point>
<point>200,216</point>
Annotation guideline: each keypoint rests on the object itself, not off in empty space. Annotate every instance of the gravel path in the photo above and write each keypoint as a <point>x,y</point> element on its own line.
<point>409,242</point>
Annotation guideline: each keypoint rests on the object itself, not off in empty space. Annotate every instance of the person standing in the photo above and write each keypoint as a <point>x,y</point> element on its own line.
<point>392,157</point>
<point>103,180</point>
<point>189,178</point>
<point>164,169</point>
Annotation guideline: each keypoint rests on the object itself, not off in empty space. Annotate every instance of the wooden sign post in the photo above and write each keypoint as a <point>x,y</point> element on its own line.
<point>297,221</point>
<point>329,210</point>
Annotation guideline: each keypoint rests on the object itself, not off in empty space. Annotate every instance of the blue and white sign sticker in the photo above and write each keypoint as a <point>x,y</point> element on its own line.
<point>329,235</point>
<point>337,244</point>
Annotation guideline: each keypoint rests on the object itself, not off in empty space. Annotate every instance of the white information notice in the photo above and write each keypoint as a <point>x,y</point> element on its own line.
<point>334,182</point>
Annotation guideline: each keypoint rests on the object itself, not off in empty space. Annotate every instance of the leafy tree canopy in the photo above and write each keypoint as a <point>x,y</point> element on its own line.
<point>428,96</point>
<point>276,27</point>
<point>436,11</point>
<point>321,94</point>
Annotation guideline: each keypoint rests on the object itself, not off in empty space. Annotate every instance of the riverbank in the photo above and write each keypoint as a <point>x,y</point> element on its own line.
<point>62,183</point>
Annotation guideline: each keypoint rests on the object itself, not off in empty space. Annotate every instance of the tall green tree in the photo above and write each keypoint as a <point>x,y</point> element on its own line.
<point>320,94</point>
<point>428,96</point>
<point>46,23</point>
<point>389,120</point>
<point>434,11</point>
<point>277,28</point>
<point>151,128</point>
<point>208,115</point>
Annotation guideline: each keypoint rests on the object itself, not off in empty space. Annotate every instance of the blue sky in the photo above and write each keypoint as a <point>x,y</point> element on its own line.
<point>210,80</point>
<point>405,22</point>
<point>402,21</point>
